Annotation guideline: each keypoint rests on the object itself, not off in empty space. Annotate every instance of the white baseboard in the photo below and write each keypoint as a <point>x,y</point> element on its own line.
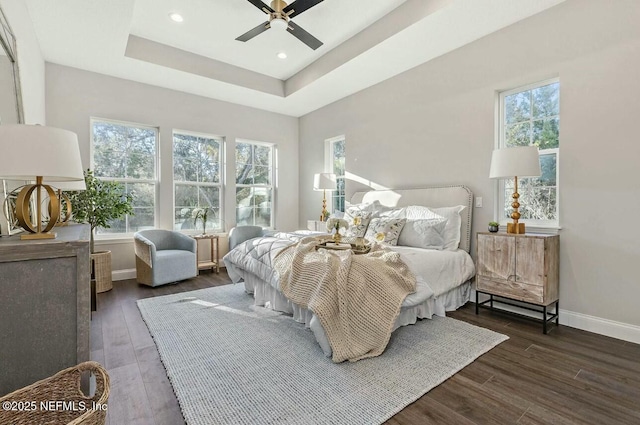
<point>123,274</point>
<point>597,325</point>
<point>128,274</point>
<point>601,326</point>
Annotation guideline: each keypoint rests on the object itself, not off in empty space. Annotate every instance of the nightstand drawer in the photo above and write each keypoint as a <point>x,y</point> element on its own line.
<point>515,290</point>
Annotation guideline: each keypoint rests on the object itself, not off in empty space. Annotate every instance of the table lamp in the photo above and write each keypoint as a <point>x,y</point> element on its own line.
<point>41,153</point>
<point>324,182</point>
<point>522,161</point>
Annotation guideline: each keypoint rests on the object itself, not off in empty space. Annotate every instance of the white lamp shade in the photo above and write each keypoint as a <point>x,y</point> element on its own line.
<point>37,150</point>
<point>522,161</point>
<point>324,181</point>
<point>68,185</point>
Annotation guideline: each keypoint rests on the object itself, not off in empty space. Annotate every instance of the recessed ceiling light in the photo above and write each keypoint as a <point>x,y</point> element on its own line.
<point>176,17</point>
<point>282,55</point>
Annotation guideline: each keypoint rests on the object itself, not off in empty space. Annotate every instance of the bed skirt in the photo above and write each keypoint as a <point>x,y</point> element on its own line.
<point>267,296</point>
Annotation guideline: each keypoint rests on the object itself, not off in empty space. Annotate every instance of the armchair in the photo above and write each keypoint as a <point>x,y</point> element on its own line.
<point>164,256</point>
<point>239,234</point>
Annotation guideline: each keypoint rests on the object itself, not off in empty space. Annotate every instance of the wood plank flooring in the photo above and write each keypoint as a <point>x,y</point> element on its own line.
<point>566,377</point>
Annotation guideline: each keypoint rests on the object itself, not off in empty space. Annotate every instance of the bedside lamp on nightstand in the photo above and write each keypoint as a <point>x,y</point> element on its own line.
<point>324,182</point>
<point>522,161</point>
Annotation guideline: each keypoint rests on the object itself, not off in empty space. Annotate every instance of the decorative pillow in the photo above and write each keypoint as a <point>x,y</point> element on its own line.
<point>358,217</point>
<point>428,234</point>
<point>358,222</point>
<point>385,230</point>
<point>451,233</point>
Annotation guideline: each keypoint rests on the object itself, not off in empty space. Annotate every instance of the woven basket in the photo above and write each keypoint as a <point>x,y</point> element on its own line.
<point>102,269</point>
<point>64,386</point>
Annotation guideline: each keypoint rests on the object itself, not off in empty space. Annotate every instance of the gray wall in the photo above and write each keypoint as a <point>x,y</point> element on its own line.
<point>435,124</point>
<point>73,96</point>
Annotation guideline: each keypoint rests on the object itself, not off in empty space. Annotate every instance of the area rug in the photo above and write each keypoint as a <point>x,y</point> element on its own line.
<point>231,362</point>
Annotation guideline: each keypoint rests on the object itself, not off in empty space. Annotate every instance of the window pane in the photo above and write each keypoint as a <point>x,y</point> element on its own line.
<point>254,206</point>
<point>546,133</point>
<point>518,134</point>
<point>244,153</point>
<point>122,151</point>
<point>254,167</point>
<point>190,197</point>
<point>196,159</point>
<point>546,101</point>
<point>262,155</point>
<point>517,107</point>
<point>244,174</point>
<point>261,175</point>
<point>532,118</point>
<point>143,219</point>
<point>339,158</point>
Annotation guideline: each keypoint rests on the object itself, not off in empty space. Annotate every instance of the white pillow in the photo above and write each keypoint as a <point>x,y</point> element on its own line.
<point>428,234</point>
<point>451,214</point>
<point>389,227</point>
<point>388,212</point>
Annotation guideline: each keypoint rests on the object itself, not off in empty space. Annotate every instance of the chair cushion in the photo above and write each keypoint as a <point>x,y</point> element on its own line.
<point>172,265</point>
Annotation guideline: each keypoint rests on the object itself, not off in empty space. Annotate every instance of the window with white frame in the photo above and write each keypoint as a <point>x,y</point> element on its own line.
<point>255,175</point>
<point>127,153</point>
<point>197,176</point>
<point>335,163</point>
<point>530,115</point>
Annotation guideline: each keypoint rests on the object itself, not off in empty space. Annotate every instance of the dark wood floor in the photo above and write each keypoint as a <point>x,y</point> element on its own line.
<point>566,377</point>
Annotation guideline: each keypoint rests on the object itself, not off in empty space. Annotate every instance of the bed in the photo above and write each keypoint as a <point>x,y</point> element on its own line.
<point>442,276</point>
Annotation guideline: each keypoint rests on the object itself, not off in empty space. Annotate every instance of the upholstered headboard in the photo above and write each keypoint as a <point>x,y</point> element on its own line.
<point>443,196</point>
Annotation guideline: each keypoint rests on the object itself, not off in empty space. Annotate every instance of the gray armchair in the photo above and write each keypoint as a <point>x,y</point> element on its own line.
<point>164,256</point>
<point>239,234</point>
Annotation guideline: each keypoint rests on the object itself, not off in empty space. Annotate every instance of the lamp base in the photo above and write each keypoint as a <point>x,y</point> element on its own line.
<point>32,236</point>
<point>517,228</point>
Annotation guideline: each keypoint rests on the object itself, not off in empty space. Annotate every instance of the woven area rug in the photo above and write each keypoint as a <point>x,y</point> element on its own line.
<point>233,363</point>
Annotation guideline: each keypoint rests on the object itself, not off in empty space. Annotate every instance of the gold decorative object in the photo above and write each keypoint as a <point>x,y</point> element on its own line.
<point>48,152</point>
<point>66,208</point>
<point>522,161</point>
<point>324,182</point>
<point>23,211</point>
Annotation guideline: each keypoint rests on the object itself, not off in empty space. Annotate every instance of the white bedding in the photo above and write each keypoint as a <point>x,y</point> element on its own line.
<point>442,281</point>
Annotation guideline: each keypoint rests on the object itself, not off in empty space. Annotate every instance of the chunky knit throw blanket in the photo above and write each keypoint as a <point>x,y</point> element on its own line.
<point>357,298</point>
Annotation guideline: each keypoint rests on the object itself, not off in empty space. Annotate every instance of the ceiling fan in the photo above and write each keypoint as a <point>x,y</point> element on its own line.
<point>280,15</point>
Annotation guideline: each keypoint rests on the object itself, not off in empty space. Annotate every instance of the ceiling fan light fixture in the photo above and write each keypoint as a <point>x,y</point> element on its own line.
<point>279,24</point>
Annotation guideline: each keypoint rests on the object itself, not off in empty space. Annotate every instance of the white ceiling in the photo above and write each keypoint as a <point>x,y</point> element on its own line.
<point>365,42</point>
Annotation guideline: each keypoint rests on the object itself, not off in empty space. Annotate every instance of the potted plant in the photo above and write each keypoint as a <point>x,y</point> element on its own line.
<point>101,202</point>
<point>494,226</point>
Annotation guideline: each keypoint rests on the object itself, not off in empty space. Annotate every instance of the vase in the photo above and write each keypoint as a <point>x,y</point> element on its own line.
<point>337,237</point>
<point>493,229</point>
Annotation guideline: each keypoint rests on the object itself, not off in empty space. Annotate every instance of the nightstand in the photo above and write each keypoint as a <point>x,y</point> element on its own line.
<point>523,268</point>
<point>317,226</point>
<point>212,262</point>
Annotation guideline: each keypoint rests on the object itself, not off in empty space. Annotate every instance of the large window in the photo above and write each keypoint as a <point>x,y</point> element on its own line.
<point>531,116</point>
<point>197,179</point>
<point>127,153</point>
<point>336,164</point>
<point>255,171</point>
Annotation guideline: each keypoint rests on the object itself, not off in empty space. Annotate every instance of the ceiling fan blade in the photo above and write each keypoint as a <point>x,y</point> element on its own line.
<point>260,5</point>
<point>300,6</point>
<point>252,33</point>
<point>304,36</point>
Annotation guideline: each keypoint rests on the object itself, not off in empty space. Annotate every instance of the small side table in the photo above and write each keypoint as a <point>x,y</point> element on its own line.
<point>317,226</point>
<point>213,261</point>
